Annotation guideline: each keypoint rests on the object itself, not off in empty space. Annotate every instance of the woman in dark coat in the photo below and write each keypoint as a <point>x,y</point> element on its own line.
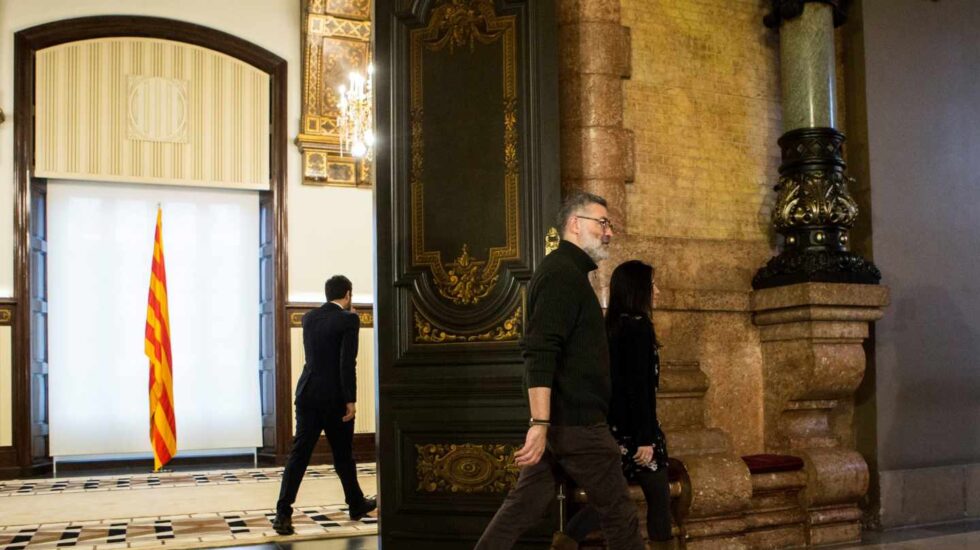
<point>635,372</point>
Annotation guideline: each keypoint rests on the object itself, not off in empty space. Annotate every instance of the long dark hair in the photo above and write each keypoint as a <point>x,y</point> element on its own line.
<point>630,292</point>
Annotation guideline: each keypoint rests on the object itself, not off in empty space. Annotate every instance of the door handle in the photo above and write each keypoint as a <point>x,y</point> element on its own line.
<point>551,241</point>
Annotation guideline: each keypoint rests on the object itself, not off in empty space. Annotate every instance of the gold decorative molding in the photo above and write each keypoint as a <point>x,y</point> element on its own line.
<point>464,284</point>
<point>455,23</point>
<point>465,468</point>
<point>463,22</point>
<point>296,311</point>
<point>336,41</point>
<point>511,329</point>
<point>6,314</point>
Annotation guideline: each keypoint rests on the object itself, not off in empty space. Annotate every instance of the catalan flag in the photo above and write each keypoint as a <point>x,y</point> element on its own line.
<point>163,426</point>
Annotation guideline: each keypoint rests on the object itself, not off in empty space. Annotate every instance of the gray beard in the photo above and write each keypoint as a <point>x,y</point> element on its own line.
<point>596,251</point>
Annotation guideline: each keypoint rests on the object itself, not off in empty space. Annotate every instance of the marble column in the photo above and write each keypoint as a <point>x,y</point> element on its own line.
<point>814,210</point>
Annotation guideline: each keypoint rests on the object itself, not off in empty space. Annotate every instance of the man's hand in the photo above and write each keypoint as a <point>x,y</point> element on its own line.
<point>351,409</point>
<point>644,455</point>
<point>534,444</point>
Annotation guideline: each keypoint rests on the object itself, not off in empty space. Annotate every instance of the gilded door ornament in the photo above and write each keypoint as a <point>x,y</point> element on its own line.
<point>509,330</point>
<point>462,22</point>
<point>465,468</point>
<point>464,284</point>
<point>456,23</point>
<point>551,241</point>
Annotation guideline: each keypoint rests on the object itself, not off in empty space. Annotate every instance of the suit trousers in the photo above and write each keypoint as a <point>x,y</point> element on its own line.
<point>310,422</point>
<point>590,456</point>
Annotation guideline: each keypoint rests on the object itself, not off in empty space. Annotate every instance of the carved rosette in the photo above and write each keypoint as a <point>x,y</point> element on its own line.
<point>465,468</point>
<point>814,211</point>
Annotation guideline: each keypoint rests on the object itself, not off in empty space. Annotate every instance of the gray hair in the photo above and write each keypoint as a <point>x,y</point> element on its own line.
<point>572,204</point>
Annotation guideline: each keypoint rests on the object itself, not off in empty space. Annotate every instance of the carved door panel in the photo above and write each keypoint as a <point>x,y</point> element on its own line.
<point>468,102</point>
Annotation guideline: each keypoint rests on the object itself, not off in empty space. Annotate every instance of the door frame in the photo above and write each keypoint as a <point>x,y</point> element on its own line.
<point>26,44</point>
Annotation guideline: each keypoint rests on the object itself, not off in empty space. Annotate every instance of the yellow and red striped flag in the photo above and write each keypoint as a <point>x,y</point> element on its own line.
<point>163,425</point>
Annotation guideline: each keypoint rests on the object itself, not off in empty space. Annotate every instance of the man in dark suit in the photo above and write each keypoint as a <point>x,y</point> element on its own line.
<point>325,402</point>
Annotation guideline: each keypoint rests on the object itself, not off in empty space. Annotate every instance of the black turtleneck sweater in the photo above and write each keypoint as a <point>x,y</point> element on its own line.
<point>565,345</point>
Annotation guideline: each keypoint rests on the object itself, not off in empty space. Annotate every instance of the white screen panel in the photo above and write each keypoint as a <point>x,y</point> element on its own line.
<point>100,239</point>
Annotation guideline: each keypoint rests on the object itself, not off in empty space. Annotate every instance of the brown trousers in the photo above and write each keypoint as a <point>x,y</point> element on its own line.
<point>590,456</point>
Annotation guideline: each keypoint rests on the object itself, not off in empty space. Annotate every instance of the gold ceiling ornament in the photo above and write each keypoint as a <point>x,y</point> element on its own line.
<point>509,330</point>
<point>464,284</point>
<point>465,468</point>
<point>454,23</point>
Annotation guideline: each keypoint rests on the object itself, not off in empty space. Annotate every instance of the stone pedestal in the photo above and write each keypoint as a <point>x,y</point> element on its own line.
<point>716,488</point>
<point>812,338</point>
<point>776,519</point>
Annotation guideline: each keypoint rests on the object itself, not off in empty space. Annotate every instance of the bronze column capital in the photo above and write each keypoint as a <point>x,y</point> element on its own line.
<point>789,9</point>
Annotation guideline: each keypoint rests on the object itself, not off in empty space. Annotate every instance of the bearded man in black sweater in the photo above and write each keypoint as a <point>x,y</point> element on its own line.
<point>566,360</point>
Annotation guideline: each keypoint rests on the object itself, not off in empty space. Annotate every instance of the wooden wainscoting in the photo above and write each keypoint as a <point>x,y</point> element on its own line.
<point>8,454</point>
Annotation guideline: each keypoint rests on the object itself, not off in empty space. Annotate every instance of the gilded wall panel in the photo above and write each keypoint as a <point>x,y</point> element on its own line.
<point>336,41</point>
<point>151,111</point>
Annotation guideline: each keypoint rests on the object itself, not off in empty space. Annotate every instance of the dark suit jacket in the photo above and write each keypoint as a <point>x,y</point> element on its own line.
<point>330,341</point>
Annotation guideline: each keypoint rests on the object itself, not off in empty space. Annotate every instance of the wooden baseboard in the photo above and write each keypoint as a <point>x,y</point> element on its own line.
<point>11,469</point>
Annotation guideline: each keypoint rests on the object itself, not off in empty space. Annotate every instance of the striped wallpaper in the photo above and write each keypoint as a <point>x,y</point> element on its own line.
<point>151,111</point>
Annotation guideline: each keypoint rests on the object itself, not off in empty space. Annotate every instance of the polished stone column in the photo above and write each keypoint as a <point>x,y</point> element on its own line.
<point>806,56</point>
<point>814,210</point>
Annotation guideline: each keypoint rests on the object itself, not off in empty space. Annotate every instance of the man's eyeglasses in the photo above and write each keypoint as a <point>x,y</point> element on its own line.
<point>604,222</point>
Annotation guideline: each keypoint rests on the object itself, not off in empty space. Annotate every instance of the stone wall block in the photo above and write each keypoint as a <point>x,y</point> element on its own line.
<point>834,476</point>
<point>720,484</point>
<point>593,48</point>
<point>629,155</point>
<point>689,441</point>
<point>592,152</point>
<point>591,100</point>
<point>573,11</point>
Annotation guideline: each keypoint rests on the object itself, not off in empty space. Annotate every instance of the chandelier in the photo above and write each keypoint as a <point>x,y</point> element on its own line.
<point>355,121</point>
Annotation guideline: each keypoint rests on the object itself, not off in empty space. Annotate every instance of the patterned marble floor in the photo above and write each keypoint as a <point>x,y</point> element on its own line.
<point>27,487</point>
<point>321,516</point>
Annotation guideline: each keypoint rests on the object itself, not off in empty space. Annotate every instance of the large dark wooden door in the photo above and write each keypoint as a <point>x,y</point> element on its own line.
<point>467,186</point>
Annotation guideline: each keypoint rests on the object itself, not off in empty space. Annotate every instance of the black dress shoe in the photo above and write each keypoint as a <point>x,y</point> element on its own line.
<point>364,509</point>
<point>283,525</point>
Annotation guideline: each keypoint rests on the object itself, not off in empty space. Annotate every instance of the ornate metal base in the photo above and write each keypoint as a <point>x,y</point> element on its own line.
<point>816,266</point>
